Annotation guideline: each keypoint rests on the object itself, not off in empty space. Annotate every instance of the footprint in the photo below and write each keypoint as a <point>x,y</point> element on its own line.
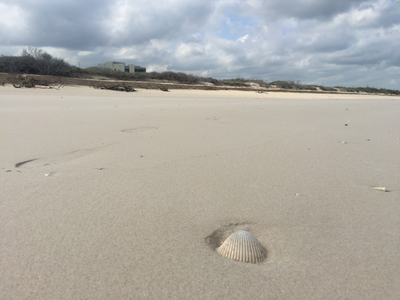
<point>64,158</point>
<point>138,129</point>
<point>17,165</point>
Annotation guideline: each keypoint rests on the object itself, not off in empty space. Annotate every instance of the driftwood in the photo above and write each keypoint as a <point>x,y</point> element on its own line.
<point>164,89</point>
<point>33,83</point>
<point>115,87</point>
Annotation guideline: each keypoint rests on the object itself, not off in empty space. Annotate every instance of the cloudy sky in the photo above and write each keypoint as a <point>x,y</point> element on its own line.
<point>329,42</point>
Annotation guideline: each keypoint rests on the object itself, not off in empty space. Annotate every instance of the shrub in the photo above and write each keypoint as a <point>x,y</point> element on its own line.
<point>35,61</point>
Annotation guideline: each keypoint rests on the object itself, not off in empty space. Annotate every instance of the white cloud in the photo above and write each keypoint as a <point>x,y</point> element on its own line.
<point>243,38</point>
<point>157,68</point>
<point>188,50</point>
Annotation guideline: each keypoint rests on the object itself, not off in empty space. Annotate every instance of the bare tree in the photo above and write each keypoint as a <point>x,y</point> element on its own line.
<point>43,63</point>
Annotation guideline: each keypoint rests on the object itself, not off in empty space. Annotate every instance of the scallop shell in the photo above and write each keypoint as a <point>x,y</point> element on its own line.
<point>242,246</point>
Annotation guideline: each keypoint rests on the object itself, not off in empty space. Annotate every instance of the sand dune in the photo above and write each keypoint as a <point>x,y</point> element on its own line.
<point>111,195</point>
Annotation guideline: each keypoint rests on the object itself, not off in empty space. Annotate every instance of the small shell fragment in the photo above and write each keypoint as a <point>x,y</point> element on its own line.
<point>380,188</point>
<point>242,246</point>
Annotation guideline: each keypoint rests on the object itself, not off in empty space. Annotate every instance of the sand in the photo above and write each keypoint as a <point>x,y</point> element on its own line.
<point>122,193</point>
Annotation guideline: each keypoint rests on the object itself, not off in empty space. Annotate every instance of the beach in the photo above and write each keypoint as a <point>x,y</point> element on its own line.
<point>114,195</point>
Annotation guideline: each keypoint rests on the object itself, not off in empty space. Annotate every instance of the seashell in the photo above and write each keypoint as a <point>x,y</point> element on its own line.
<point>380,188</point>
<point>242,246</point>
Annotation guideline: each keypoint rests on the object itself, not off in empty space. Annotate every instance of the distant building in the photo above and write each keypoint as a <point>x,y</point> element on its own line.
<point>120,66</point>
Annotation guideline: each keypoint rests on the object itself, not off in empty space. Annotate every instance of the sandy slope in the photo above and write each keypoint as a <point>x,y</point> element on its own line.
<point>124,188</point>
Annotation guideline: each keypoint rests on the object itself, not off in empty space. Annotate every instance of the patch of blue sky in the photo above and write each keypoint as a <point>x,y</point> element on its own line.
<point>234,26</point>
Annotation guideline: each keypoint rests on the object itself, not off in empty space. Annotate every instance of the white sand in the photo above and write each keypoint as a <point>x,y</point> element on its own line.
<point>137,181</point>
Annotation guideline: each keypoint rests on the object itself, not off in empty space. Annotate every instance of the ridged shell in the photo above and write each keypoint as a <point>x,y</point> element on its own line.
<point>242,246</point>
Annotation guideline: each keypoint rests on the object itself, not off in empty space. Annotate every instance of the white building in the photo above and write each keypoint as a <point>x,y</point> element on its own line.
<point>120,66</point>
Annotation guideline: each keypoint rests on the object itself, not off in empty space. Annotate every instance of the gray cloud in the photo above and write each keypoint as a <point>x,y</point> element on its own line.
<point>72,25</point>
<point>300,9</point>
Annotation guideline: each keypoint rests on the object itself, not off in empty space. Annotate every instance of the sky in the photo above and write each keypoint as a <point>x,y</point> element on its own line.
<point>326,42</point>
